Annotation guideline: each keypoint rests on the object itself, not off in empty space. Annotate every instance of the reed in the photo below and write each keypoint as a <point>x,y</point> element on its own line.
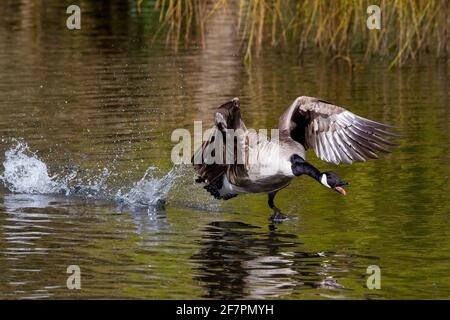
<point>337,28</point>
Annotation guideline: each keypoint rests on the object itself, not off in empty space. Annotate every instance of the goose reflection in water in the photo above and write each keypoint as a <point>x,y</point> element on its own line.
<point>238,260</point>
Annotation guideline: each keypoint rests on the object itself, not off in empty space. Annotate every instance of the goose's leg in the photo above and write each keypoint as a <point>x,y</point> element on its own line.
<point>277,215</point>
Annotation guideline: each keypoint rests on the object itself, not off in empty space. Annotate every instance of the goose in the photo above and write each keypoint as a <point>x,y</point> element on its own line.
<point>256,163</point>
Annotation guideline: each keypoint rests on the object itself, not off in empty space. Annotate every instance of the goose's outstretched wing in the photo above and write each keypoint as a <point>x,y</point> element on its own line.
<point>227,119</point>
<point>335,134</point>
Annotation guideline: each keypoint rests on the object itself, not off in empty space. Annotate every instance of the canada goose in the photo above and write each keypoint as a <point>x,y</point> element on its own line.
<point>268,165</point>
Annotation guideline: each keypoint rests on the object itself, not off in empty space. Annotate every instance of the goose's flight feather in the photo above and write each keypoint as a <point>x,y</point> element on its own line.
<point>335,134</point>
<point>226,117</point>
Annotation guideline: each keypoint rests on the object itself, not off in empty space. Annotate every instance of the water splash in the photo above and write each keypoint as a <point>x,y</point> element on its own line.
<point>150,190</point>
<point>92,185</point>
<point>25,173</point>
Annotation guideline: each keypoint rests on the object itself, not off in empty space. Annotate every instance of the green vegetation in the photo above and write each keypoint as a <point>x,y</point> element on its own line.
<point>335,28</point>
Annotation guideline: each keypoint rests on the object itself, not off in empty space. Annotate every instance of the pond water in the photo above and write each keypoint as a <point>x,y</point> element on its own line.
<point>96,108</point>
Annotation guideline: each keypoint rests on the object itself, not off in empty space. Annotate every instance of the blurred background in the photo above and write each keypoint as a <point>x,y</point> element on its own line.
<point>96,107</point>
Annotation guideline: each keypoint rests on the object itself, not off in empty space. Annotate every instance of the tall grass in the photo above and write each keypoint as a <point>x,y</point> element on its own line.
<point>335,28</point>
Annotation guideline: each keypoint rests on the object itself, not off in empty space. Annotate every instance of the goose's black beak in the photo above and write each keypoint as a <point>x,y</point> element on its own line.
<point>338,188</point>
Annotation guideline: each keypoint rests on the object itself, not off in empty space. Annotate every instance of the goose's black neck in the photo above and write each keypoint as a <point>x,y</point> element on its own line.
<point>300,166</point>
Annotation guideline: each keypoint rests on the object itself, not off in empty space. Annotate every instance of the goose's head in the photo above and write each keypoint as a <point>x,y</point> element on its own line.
<point>330,180</point>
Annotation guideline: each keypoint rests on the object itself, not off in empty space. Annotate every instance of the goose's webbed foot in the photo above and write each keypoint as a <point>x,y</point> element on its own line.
<point>278,216</point>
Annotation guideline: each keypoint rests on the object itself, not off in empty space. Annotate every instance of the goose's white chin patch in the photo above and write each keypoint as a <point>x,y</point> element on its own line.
<point>324,181</point>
